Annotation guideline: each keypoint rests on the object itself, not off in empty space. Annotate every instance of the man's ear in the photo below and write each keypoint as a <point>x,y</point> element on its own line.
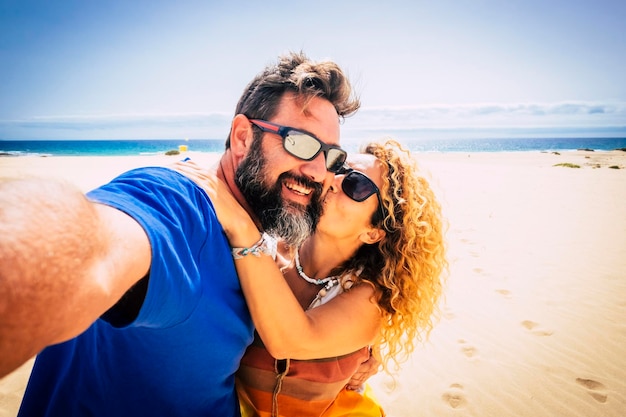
<point>373,235</point>
<point>241,135</point>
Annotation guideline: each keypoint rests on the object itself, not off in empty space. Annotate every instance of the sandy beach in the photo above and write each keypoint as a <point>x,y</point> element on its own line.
<point>533,320</point>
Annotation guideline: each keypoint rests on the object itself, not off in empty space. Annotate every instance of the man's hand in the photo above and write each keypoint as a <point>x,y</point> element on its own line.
<point>366,370</point>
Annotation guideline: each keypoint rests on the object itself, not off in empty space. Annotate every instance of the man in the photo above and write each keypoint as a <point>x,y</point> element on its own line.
<point>131,291</point>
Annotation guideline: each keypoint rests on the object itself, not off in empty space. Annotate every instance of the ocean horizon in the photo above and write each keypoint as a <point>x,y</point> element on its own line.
<point>17,148</point>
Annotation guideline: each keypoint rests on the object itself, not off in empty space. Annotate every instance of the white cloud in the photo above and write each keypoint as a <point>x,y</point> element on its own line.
<point>118,126</point>
<point>494,115</point>
<point>461,120</point>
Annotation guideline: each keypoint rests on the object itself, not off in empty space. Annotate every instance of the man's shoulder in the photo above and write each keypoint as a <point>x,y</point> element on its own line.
<point>155,193</point>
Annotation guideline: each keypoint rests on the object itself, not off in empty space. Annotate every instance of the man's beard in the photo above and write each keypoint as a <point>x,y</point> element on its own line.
<point>291,221</point>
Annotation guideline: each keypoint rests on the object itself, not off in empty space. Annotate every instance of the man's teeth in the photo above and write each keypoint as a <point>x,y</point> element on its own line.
<point>298,188</point>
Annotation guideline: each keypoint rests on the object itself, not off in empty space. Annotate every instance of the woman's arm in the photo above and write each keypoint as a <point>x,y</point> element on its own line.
<point>343,325</point>
<point>63,262</point>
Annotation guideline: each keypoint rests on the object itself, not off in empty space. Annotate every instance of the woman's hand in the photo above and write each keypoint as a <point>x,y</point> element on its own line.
<point>234,219</point>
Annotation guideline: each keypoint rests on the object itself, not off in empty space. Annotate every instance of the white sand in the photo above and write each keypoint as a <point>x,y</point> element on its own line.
<point>533,323</point>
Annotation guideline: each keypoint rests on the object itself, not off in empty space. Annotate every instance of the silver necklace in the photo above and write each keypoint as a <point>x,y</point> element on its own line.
<point>308,278</point>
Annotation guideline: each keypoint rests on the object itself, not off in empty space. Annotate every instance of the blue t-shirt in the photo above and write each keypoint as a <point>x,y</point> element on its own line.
<point>179,356</point>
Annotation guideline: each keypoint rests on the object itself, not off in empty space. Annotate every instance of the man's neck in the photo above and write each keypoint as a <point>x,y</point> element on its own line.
<point>226,172</point>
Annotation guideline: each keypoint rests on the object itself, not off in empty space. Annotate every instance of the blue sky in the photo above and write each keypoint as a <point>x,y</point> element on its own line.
<point>163,69</point>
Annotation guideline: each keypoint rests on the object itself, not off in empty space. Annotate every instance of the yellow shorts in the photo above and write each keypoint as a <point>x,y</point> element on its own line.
<point>347,404</point>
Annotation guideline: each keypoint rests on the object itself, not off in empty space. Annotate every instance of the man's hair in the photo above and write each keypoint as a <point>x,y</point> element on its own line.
<point>296,73</point>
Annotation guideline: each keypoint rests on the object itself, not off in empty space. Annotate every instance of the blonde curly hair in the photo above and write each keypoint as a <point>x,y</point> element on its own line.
<point>407,266</point>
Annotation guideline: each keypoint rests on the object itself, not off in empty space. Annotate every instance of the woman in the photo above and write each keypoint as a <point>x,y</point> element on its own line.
<point>370,276</point>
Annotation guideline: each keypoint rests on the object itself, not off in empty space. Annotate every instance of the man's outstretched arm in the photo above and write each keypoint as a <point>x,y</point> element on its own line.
<point>63,262</point>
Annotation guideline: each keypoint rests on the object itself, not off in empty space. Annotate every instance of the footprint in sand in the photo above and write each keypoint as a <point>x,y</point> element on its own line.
<point>535,329</point>
<point>454,396</point>
<point>467,349</point>
<point>505,293</point>
<point>390,385</point>
<point>448,314</point>
<point>594,388</point>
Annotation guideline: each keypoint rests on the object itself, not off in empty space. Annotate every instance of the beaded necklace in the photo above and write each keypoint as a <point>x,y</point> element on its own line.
<point>306,277</point>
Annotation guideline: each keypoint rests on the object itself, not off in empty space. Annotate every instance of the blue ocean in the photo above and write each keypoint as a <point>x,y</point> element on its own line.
<point>155,147</point>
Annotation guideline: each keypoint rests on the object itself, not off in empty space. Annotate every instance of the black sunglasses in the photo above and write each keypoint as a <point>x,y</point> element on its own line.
<point>304,145</point>
<point>359,187</point>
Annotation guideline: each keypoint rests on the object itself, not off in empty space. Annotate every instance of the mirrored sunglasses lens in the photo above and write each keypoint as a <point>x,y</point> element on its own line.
<point>301,145</point>
<point>357,186</point>
<point>335,159</point>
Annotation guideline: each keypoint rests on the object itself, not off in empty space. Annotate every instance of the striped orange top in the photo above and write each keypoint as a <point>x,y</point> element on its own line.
<point>268,387</point>
<point>305,388</point>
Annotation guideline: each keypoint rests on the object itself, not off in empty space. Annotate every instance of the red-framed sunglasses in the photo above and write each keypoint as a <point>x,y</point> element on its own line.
<point>304,145</point>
